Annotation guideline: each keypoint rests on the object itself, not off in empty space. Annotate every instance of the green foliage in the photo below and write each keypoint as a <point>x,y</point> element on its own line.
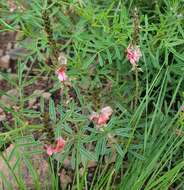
<point>139,148</point>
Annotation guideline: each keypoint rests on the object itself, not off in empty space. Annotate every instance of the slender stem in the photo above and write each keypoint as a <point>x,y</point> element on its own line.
<point>77,167</point>
<point>136,87</point>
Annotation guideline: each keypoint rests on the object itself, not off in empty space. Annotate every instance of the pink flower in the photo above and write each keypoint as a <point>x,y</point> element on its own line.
<point>133,54</point>
<point>102,117</point>
<point>61,72</point>
<point>60,143</point>
<point>94,116</point>
<point>49,150</point>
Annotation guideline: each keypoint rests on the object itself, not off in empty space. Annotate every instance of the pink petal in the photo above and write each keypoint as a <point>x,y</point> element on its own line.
<point>94,116</point>
<point>107,111</point>
<point>102,119</point>
<point>49,150</point>
<point>133,54</point>
<point>62,74</point>
<point>60,143</point>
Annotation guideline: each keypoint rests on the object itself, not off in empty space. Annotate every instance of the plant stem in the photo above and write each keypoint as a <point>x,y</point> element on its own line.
<point>77,169</point>
<point>137,86</point>
<point>49,31</point>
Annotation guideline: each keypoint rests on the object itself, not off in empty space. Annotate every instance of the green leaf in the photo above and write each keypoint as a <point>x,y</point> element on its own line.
<point>109,56</point>
<point>52,110</point>
<point>87,154</point>
<point>73,159</point>
<point>42,104</point>
<point>177,54</point>
<point>117,52</point>
<point>100,60</point>
<point>119,150</point>
<point>89,61</point>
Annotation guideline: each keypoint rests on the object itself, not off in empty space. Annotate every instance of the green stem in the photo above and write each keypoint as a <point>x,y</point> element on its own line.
<point>77,167</point>
<point>136,87</point>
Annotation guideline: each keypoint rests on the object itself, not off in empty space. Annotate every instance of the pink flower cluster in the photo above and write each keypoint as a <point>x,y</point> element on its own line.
<point>102,117</point>
<point>133,54</point>
<point>60,143</point>
<point>61,72</point>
